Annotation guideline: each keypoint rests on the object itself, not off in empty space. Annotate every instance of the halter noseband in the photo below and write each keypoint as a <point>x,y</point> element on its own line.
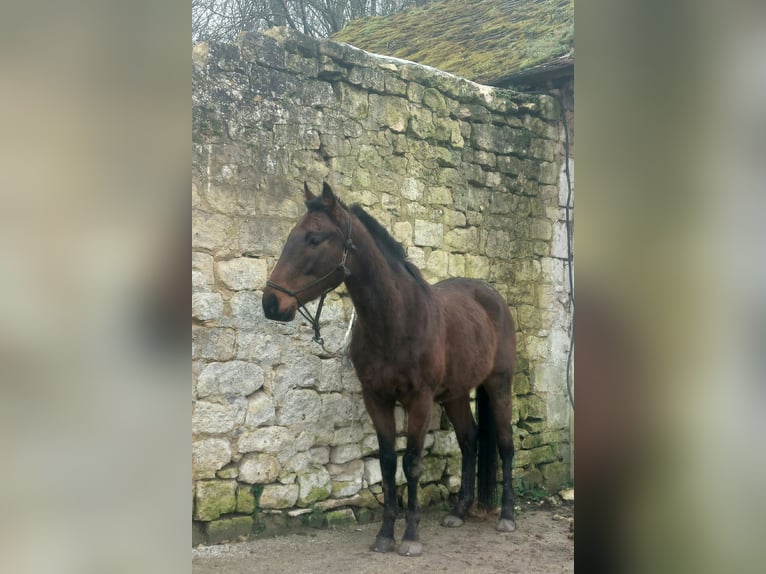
<point>348,245</point>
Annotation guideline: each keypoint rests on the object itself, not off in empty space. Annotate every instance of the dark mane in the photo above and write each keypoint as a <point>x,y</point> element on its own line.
<point>391,248</point>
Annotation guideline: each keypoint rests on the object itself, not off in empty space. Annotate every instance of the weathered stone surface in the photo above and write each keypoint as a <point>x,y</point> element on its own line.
<point>268,439</point>
<point>213,343</point>
<point>300,406</point>
<point>214,498</point>
<point>207,306</point>
<point>260,410</point>
<point>341,517</point>
<point>432,469</point>
<point>314,485</point>
<point>428,234</point>
<point>202,271</point>
<point>213,418</point>
<point>230,378</point>
<point>245,499</point>
<point>342,488</point>
<point>445,443</point>
<point>372,473</point>
<point>229,529</point>
<point>258,468</point>
<point>345,453</point>
<point>298,371</point>
<point>208,456</point>
<point>279,496</point>
<point>242,273</point>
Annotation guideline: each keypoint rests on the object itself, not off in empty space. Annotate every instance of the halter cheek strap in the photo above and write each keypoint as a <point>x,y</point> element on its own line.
<point>348,245</point>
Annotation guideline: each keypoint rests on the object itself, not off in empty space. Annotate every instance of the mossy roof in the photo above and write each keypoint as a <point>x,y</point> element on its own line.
<point>487,41</point>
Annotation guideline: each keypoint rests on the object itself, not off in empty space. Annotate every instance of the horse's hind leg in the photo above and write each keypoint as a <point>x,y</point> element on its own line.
<point>498,387</point>
<point>459,413</point>
<point>382,415</point>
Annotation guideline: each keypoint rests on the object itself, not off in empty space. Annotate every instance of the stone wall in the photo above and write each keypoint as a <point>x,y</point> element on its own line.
<point>468,178</point>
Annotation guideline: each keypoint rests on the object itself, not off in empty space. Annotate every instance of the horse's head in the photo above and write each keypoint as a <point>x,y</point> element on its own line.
<point>313,260</point>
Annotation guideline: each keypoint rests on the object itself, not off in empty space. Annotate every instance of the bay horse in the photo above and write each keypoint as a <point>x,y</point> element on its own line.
<point>412,343</point>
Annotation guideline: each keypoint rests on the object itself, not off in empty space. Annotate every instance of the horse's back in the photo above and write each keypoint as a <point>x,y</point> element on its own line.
<point>462,294</point>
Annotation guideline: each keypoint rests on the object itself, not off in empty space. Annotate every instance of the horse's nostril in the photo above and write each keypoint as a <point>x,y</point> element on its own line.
<point>270,305</point>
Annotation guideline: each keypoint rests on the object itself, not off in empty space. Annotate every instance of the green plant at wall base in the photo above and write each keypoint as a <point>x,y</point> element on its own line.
<point>530,492</point>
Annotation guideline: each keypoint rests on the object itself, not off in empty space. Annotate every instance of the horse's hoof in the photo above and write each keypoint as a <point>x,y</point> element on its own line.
<point>506,525</point>
<point>383,545</point>
<point>410,548</point>
<point>452,521</point>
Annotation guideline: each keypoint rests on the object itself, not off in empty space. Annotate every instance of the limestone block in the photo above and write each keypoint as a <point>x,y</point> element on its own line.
<point>211,231</point>
<point>314,486</point>
<point>421,124</point>
<point>214,498</point>
<point>298,463</point>
<point>432,469</point>
<point>297,371</point>
<point>456,265</point>
<point>370,445</point>
<point>461,240</point>
<point>340,517</point>
<point>347,471</point>
<point>229,529</point>
<point>245,499</point>
<point>260,410</point>
<point>210,417</point>
<point>372,474</point>
<point>346,435</point>
<point>207,306</point>
<point>212,343</point>
<point>258,346</point>
<point>476,266</point>
<point>299,406</point>
<point>319,455</point>
<point>208,456</point>
<point>412,189</point>
<point>247,310</point>
<point>445,443</point>
<point>202,271</point>
<point>258,468</point>
<point>428,233</point>
<point>242,273</point>
<point>539,455</point>
<point>279,496</point>
<point>270,440</point>
<point>346,488</point>
<point>437,264</point>
<point>230,378</point>
<point>345,453</point>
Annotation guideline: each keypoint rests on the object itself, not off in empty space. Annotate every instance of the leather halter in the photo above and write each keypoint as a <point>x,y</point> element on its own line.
<point>348,245</point>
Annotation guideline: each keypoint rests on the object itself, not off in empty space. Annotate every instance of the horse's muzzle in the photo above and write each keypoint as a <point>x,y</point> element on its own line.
<point>278,308</point>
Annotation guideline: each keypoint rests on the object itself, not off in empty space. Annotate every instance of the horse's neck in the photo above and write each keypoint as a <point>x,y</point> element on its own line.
<point>386,297</point>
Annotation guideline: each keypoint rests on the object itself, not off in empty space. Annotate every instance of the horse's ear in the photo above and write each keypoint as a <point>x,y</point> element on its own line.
<point>328,197</point>
<point>307,192</point>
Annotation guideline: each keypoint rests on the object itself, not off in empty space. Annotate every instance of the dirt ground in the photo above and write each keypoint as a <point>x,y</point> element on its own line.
<point>541,544</point>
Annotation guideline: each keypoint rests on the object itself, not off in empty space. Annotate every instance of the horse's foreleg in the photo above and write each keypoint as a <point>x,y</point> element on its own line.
<point>459,413</point>
<point>382,415</point>
<point>418,417</point>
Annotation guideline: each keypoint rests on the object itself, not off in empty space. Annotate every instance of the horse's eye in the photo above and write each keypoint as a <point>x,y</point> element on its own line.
<point>313,239</point>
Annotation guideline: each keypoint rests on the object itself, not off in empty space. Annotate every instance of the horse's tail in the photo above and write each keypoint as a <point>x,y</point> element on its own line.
<point>486,480</point>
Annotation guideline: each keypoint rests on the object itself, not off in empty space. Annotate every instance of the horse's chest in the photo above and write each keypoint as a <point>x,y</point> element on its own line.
<point>394,378</point>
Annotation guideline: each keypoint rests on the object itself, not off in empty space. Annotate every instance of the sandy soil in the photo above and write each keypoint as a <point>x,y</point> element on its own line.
<point>541,544</point>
